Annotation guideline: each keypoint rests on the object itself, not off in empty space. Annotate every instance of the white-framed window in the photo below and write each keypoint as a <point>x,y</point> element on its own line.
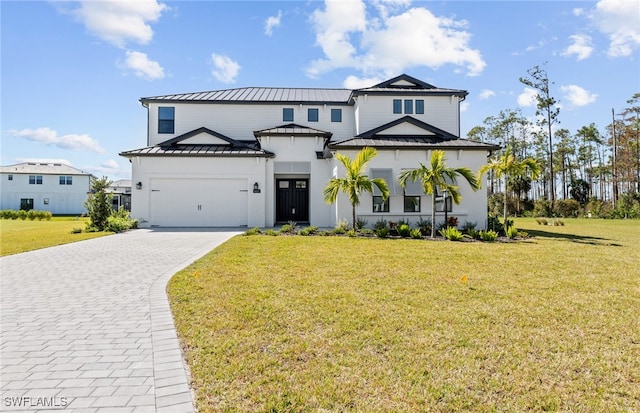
<point>66,180</point>
<point>35,179</point>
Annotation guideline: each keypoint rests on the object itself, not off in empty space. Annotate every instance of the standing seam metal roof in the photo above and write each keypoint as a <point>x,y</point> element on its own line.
<point>260,94</point>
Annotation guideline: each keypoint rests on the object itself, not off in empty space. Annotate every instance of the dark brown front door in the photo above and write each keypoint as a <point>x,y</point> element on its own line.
<point>292,200</point>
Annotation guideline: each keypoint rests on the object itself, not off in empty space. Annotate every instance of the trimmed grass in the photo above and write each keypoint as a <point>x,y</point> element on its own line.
<point>308,324</point>
<point>18,236</point>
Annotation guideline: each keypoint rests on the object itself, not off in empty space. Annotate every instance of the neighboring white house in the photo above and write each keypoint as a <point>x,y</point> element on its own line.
<point>120,192</point>
<point>262,156</point>
<point>54,187</point>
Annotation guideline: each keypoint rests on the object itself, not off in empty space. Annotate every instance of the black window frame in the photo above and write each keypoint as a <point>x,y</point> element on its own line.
<point>65,180</point>
<point>413,203</point>
<point>166,124</point>
<point>285,113</point>
<point>311,111</point>
<point>336,115</point>
<point>10,177</point>
<point>35,179</point>
<point>419,106</point>
<point>408,106</point>
<point>385,204</point>
<point>397,106</point>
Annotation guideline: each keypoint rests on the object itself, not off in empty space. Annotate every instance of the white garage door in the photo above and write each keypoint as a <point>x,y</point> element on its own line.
<point>199,202</point>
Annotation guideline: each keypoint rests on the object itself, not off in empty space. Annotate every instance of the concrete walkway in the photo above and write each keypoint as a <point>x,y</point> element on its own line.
<point>86,327</point>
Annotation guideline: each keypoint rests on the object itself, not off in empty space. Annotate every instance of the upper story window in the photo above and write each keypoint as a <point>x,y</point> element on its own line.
<point>287,114</point>
<point>66,180</point>
<point>10,177</point>
<point>408,106</point>
<point>397,106</point>
<point>166,119</point>
<point>35,179</point>
<point>419,106</point>
<point>336,115</point>
<point>312,114</point>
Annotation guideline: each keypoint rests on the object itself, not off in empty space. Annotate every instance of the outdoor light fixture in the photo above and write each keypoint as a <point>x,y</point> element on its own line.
<point>139,185</point>
<point>256,188</point>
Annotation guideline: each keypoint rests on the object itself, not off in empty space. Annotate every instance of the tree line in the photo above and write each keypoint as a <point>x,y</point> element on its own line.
<point>599,170</point>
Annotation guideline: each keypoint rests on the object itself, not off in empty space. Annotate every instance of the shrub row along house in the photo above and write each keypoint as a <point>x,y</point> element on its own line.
<point>54,187</point>
<point>262,156</point>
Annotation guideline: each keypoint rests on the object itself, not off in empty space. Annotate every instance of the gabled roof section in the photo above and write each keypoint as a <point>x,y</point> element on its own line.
<point>259,95</point>
<point>409,133</point>
<point>202,142</point>
<point>405,84</point>
<point>201,136</point>
<point>292,129</point>
<point>422,128</point>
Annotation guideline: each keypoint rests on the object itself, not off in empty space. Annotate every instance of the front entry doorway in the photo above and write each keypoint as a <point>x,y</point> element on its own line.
<point>292,200</point>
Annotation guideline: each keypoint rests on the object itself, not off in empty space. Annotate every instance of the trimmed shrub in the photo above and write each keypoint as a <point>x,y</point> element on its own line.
<point>289,228</point>
<point>367,231</point>
<point>383,232</point>
<point>381,223</point>
<point>451,233</point>
<point>253,231</point>
<point>404,230</point>
<point>308,231</point>
<point>271,232</point>
<point>361,223</point>
<point>76,231</point>
<point>22,214</point>
<point>488,236</point>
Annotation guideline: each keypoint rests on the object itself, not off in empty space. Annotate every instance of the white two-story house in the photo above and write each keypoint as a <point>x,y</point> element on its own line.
<point>260,156</point>
<point>54,187</point>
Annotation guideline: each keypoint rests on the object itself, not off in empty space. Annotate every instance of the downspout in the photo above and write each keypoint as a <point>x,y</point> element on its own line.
<point>146,105</point>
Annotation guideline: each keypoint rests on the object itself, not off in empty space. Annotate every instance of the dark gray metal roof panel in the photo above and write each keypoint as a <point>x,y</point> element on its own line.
<point>411,142</point>
<point>198,150</point>
<point>260,95</point>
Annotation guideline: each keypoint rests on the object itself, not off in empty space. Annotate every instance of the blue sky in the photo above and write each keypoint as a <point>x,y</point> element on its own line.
<point>73,71</point>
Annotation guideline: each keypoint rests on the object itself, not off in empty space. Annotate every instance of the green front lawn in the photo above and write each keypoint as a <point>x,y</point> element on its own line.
<point>364,324</point>
<point>24,235</point>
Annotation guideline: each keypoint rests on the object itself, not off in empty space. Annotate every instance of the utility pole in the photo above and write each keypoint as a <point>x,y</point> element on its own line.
<point>615,153</point>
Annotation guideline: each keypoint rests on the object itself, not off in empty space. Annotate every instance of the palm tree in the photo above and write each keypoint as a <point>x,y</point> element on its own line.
<point>438,175</point>
<point>507,165</point>
<point>355,181</point>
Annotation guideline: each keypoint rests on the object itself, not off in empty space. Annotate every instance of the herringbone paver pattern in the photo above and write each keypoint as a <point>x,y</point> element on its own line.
<point>86,327</point>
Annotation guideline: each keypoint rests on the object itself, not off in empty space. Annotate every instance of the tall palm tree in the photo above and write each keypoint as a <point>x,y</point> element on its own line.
<point>438,175</point>
<point>507,165</point>
<point>355,181</point>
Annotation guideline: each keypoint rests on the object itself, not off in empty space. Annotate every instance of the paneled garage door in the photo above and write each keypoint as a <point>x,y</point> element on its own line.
<point>199,202</point>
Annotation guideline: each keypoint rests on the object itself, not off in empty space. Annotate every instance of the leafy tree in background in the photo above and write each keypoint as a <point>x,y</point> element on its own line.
<point>98,204</point>
<point>355,181</point>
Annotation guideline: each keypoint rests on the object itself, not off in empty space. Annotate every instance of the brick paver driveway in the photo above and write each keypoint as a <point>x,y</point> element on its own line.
<point>86,327</point>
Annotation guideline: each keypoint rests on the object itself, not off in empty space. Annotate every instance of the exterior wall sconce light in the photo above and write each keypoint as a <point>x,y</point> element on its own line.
<point>139,185</point>
<point>256,188</point>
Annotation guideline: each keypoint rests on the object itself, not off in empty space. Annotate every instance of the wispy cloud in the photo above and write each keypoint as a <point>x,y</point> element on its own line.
<point>355,82</point>
<point>224,68</point>
<point>577,95</point>
<point>271,23</point>
<point>486,94</point>
<point>47,136</point>
<point>384,43</point>
<point>143,67</point>
<point>620,21</point>
<point>528,97</point>
<point>581,46</point>
<point>118,22</point>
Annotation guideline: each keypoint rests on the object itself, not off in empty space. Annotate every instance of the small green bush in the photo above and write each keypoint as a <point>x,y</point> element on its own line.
<point>381,223</point>
<point>541,221</point>
<point>512,232</point>
<point>22,214</point>
<point>325,233</point>
<point>76,231</point>
<point>253,231</point>
<point>468,226</point>
<point>473,233</point>
<point>451,233</point>
<point>308,231</point>
<point>342,227</point>
<point>271,232</point>
<point>382,232</point>
<point>367,231</point>
<point>352,233</point>
<point>118,224</point>
<point>289,228</point>
<point>416,233</point>
<point>404,230</point>
<point>488,236</point>
<point>361,223</point>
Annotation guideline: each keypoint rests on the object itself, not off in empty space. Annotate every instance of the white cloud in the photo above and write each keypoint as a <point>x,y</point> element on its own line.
<point>486,94</point>
<point>577,96</point>
<point>620,21</point>
<point>143,67</point>
<point>581,46</point>
<point>464,106</point>
<point>224,68</point>
<point>50,137</point>
<point>578,11</point>
<point>388,42</point>
<point>355,82</point>
<point>120,21</point>
<point>528,97</point>
<point>110,164</point>
<point>271,23</point>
